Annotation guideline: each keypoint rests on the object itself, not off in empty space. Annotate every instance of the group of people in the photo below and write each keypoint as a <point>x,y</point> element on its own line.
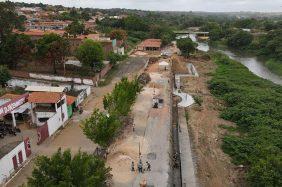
<point>140,166</point>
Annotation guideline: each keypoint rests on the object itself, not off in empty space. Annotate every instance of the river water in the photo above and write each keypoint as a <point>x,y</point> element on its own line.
<point>252,63</point>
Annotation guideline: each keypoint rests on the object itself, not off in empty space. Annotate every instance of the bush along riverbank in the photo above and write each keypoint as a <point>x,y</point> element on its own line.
<point>255,105</point>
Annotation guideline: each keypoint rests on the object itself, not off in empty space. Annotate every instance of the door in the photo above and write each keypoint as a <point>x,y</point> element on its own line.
<point>20,154</point>
<point>15,162</point>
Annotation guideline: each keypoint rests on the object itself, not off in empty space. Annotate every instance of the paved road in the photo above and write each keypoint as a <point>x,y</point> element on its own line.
<point>72,137</point>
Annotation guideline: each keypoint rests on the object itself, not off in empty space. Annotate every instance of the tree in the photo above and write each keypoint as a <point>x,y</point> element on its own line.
<point>135,23</point>
<point>75,28</point>
<point>186,46</point>
<point>239,39</point>
<point>8,19</point>
<point>91,54</point>
<point>63,169</point>
<point>118,34</point>
<point>15,48</point>
<point>101,128</point>
<point>54,48</point>
<point>114,58</point>
<point>4,75</point>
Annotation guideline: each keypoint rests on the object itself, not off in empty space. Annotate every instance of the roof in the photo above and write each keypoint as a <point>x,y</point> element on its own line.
<point>163,63</point>
<point>4,150</point>
<point>36,32</point>
<point>45,89</point>
<point>151,43</point>
<point>9,96</point>
<point>70,100</point>
<point>44,97</point>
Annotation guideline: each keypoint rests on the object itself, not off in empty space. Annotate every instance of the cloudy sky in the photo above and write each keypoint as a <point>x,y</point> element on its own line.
<point>180,5</point>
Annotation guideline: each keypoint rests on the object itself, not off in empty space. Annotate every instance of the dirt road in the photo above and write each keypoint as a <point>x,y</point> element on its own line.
<point>151,134</point>
<point>213,166</point>
<point>72,137</point>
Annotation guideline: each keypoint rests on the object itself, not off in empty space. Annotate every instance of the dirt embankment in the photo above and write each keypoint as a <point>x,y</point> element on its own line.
<point>214,168</point>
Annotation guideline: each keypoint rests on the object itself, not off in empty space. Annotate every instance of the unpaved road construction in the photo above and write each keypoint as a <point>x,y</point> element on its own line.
<point>151,135</point>
<point>213,166</point>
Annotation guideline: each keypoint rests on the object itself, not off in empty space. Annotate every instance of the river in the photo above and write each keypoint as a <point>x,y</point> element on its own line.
<point>252,63</point>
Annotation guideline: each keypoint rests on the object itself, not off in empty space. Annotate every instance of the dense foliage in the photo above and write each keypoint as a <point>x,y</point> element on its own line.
<point>102,128</point>
<point>186,46</point>
<point>122,97</point>
<point>91,54</point>
<point>239,39</point>
<point>254,105</point>
<point>75,28</point>
<point>16,48</point>
<point>53,48</point>
<point>4,75</point>
<point>63,169</point>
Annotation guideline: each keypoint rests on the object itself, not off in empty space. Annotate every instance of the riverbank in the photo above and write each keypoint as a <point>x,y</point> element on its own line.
<point>254,104</point>
<point>274,65</point>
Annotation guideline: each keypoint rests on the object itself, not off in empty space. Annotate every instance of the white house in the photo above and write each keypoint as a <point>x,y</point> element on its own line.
<point>12,157</point>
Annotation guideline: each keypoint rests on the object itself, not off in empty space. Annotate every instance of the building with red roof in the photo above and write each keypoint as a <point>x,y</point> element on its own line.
<point>150,45</point>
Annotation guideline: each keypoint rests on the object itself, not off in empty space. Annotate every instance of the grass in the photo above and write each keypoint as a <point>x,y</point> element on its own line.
<point>275,66</point>
<point>254,104</point>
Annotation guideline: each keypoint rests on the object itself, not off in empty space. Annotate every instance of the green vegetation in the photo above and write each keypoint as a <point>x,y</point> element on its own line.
<point>186,46</point>
<point>103,128</point>
<point>15,48</point>
<point>75,28</point>
<point>122,97</point>
<point>274,66</point>
<point>53,48</point>
<point>198,99</point>
<point>91,54</point>
<point>63,169</point>
<point>74,15</point>
<point>254,104</point>
<point>118,34</point>
<point>114,58</point>
<point>239,39</point>
<point>4,75</point>
<point>138,28</point>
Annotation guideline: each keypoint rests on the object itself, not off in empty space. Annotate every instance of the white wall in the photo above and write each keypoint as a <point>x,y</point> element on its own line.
<point>61,78</point>
<point>55,122</point>
<point>6,163</point>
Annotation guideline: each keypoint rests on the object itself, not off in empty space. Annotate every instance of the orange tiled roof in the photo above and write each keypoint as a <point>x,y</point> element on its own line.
<point>151,43</point>
<point>70,100</point>
<point>44,97</point>
<point>35,32</point>
<point>9,96</point>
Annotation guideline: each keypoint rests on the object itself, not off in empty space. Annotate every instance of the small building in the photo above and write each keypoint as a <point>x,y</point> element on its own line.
<point>48,112</point>
<point>71,105</point>
<point>150,45</point>
<point>12,156</point>
<point>14,107</point>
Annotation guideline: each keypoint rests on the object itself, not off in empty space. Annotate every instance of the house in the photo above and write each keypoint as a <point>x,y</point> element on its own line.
<point>48,112</point>
<point>150,45</point>
<point>50,25</point>
<point>36,34</point>
<point>12,156</point>
<point>13,106</point>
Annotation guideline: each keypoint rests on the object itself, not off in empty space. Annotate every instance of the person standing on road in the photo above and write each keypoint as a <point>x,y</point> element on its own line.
<point>140,166</point>
<point>132,166</point>
<point>148,166</point>
<point>133,127</point>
